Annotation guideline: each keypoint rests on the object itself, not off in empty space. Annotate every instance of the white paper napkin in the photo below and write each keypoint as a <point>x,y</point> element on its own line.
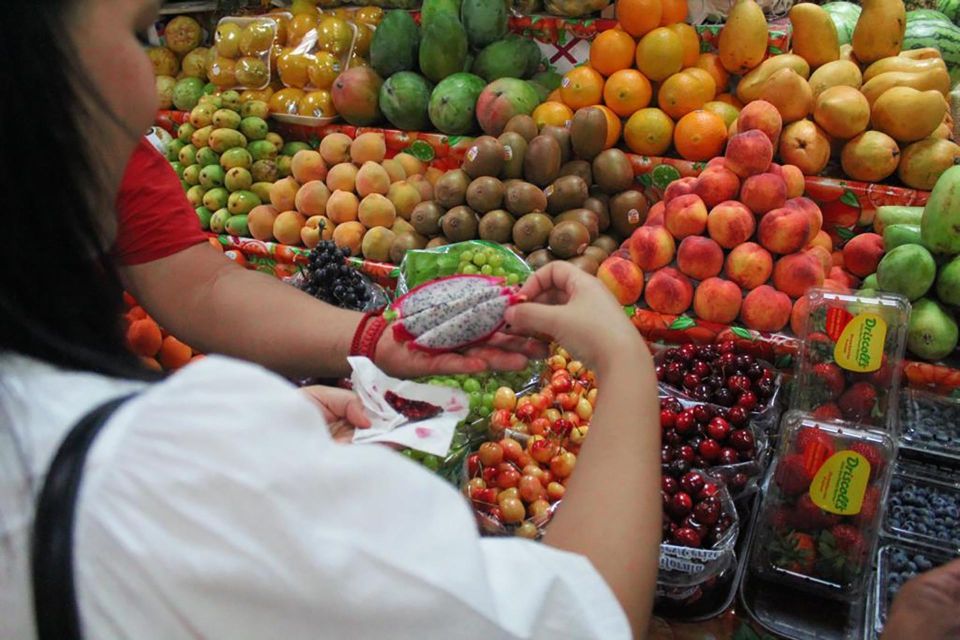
<point>431,436</point>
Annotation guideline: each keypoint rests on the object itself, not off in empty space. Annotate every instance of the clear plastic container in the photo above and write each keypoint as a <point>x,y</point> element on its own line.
<point>820,516</point>
<point>849,364</point>
<point>923,511</point>
<point>240,56</point>
<point>930,424</point>
<point>896,564</point>
<point>311,60</point>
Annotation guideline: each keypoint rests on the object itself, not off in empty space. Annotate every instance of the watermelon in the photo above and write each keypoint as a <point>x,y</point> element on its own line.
<point>927,14</point>
<point>844,16</point>
<point>937,34</point>
<point>911,5</point>
<point>951,9</point>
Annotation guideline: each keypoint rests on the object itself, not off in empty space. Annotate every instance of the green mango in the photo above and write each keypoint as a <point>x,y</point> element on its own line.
<point>173,149</point>
<point>940,225</point>
<point>262,150</point>
<point>485,21</point>
<point>236,157</point>
<point>195,195</point>
<point>185,132</point>
<point>187,155</point>
<point>395,44</point>
<point>948,282</point>
<point>909,270</point>
<point>191,174</point>
<point>216,198</point>
<point>291,148</point>
<point>255,108</point>
<point>404,98</point>
<point>261,190</point>
<point>503,59</point>
<point>204,215</point>
<point>218,221</point>
<point>896,235</point>
<point>254,127</point>
<point>241,202</point>
<point>443,48</point>
<point>226,119</point>
<point>212,176</point>
<point>237,225</point>
<point>237,179</point>
<point>207,156</point>
<point>222,140</point>
<point>896,214</point>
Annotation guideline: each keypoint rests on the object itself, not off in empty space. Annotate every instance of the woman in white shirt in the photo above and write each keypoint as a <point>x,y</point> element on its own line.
<point>214,504</point>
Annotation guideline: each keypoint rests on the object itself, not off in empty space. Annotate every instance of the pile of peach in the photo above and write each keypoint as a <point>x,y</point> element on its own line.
<point>738,241</point>
<point>157,349</point>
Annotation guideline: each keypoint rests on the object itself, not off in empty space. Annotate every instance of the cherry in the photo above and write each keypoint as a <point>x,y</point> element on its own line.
<point>707,511</point>
<point>748,400</point>
<point>698,463</point>
<point>718,429</point>
<point>724,397</point>
<point>680,505</point>
<point>687,537</point>
<point>764,389</point>
<point>709,489</point>
<point>727,346</point>
<point>665,500</point>
<point>703,413</point>
<point>686,422</point>
<point>688,352</point>
<point>690,380</point>
<point>739,480</point>
<point>709,353</point>
<point>741,440</point>
<point>699,368</point>
<point>660,370</point>
<point>687,453</point>
<point>667,418</point>
<point>702,392</point>
<point>666,454</point>
<point>672,437</point>
<point>727,361</point>
<point>744,362</point>
<point>728,455</point>
<point>671,354</point>
<point>671,404</point>
<point>669,485</point>
<point>738,415</point>
<point>473,465</point>
<point>690,522</point>
<point>755,372</point>
<point>739,383</point>
<point>674,372</point>
<point>748,455</point>
<point>679,467</point>
<point>692,483</point>
<point>695,441</point>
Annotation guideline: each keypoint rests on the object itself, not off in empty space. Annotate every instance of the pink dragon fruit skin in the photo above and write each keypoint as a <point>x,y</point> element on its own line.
<point>468,328</point>
<point>436,292</point>
<point>409,327</point>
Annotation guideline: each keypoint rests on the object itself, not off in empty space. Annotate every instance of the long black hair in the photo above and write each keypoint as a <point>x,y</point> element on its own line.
<point>60,295</point>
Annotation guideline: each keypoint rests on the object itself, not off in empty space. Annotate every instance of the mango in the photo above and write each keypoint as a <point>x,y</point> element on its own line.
<point>226,119</point>
<point>909,270</point>
<point>218,221</point>
<point>936,79</point>
<point>789,93</point>
<point>254,128</point>
<point>225,139</point>
<point>902,63</point>
<point>395,44</point>
<point>815,37</point>
<point>743,39</point>
<point>897,235</point>
<point>204,215</point>
<point>870,157</point>
<point>908,115</point>
<point>485,21</point>
<point>237,226</point>
<point>895,214</point>
<point>880,30</point>
<point>932,332</point>
<point>940,224</point>
<point>262,150</point>
<point>948,283</point>
<point>443,47</point>
<point>923,162</point>
<point>751,85</point>
<point>236,157</point>
<point>835,74</point>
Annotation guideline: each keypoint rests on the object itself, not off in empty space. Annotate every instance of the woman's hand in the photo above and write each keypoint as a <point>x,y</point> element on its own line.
<point>342,410</point>
<point>927,606</point>
<point>577,311</point>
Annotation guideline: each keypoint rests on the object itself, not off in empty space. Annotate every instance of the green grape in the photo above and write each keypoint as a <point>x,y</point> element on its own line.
<point>513,279</point>
<point>431,462</point>
<point>480,259</point>
<point>471,384</point>
<point>499,272</point>
<point>492,385</point>
<point>486,270</point>
<point>495,260</point>
<point>488,400</point>
<point>469,269</point>
<point>485,412</point>
<point>476,400</point>
<point>466,256</point>
<point>409,453</point>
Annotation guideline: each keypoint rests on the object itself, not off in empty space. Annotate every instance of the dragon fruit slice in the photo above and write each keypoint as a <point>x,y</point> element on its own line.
<point>436,292</point>
<point>467,328</point>
<point>409,327</point>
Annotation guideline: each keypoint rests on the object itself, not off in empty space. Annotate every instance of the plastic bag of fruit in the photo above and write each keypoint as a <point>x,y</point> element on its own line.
<point>575,8</point>
<point>721,375</point>
<point>700,528</point>
<point>240,57</point>
<point>470,257</point>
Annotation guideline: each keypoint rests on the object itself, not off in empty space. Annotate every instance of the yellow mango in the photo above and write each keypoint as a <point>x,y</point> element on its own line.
<point>922,163</point>
<point>815,36</point>
<point>908,115</point>
<point>902,63</point>
<point>789,93</point>
<point>839,73</point>
<point>743,39</point>
<point>751,84</point>
<point>921,54</point>
<point>936,79</point>
<point>879,31</point>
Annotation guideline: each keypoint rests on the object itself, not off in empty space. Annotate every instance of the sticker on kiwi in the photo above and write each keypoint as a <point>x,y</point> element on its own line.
<point>859,341</point>
<point>841,483</point>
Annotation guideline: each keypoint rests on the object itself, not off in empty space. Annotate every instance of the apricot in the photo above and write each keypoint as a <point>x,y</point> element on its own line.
<point>312,198</point>
<point>395,170</point>
<point>335,148</point>
<point>411,165</point>
<point>342,207</point>
<point>349,235</point>
<point>368,147</point>
<point>342,177</point>
<point>260,222</point>
<point>372,178</point>
<point>404,197</point>
<point>376,210</point>
<point>308,165</point>
<point>286,227</point>
<point>283,194</point>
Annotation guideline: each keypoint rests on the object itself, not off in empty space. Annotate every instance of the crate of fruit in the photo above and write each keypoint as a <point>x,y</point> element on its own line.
<point>923,510</point>
<point>897,563</point>
<point>931,424</point>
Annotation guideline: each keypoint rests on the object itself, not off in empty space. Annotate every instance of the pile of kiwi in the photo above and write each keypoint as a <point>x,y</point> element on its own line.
<point>548,194</point>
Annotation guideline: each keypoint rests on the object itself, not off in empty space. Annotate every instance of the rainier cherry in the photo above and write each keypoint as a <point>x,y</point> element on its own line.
<point>491,454</point>
<point>562,464</point>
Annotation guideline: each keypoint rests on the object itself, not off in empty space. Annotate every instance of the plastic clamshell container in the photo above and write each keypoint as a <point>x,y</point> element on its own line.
<point>241,52</point>
<point>820,517</point>
<point>930,424</point>
<point>891,575</point>
<point>918,506</point>
<point>848,367</point>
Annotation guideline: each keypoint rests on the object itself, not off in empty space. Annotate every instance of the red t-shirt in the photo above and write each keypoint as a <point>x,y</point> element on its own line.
<point>156,219</point>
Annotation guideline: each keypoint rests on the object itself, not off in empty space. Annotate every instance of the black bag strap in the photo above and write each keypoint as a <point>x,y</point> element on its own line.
<point>54,594</point>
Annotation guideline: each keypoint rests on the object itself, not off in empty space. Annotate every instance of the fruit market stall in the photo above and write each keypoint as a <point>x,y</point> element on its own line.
<point>769,191</point>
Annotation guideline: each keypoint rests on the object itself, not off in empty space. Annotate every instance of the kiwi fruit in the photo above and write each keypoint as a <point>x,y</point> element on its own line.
<point>568,238</point>
<point>585,263</point>
<point>588,133</point>
<point>539,258</point>
<point>497,226</point>
<point>515,149</point>
<point>628,210</point>
<point>612,171</point>
<point>425,218</point>
<point>459,224</point>
<point>566,192</point>
<point>596,253</point>
<point>451,189</point>
<point>599,205</point>
<point>485,194</point>
<point>439,241</point>
<point>484,157</point>
<point>607,243</point>
<point>532,231</point>
<point>404,242</point>
<point>524,125</point>
<point>541,165</point>
<point>586,217</point>
<point>578,168</point>
<point>521,198</point>
<point>562,136</point>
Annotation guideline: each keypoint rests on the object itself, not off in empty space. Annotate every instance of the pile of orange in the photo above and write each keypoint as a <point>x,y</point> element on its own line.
<point>653,83</point>
<point>157,350</point>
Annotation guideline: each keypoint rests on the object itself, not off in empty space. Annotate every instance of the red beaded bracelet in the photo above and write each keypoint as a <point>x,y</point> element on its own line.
<point>368,333</point>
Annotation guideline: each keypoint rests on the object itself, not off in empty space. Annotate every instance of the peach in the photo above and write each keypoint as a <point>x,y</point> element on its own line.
<point>838,258</point>
<point>793,177</point>
<point>395,170</point>
<point>623,278</point>
<point>655,215</point>
<point>717,185</point>
<point>685,216</point>
<point>342,207</point>
<point>312,198</point>
<point>423,186</point>
<point>844,278</point>
<point>718,162</point>
<point>822,239</point>
<point>766,309</point>
<point>731,223</point>
<point>260,222</point>
<point>784,230</point>
<point>797,272</point>
<point>813,212</point>
<point>749,153</point>
<point>432,174</point>
<point>763,192</point>
<point>801,309</point>
<point>862,254</point>
<point>699,257</point>
<point>651,247</point>
<point>822,256</point>
<point>376,210</point>
<point>350,235</point>
<point>678,188</point>
<point>832,285</point>
<point>335,148</point>
<point>762,116</point>
<point>669,291</point>
<point>368,147</point>
<point>749,265</point>
<point>308,165</point>
<point>342,177</point>
<point>286,227</point>
<point>283,194</point>
<point>372,178</point>
<point>717,300</point>
<point>404,196</point>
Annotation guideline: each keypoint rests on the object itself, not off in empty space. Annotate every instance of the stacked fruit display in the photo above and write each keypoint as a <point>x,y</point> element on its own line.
<point>180,65</point>
<point>228,159</point>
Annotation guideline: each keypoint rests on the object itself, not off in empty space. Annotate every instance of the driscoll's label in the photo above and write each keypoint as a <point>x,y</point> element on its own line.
<point>859,339</point>
<point>841,483</point>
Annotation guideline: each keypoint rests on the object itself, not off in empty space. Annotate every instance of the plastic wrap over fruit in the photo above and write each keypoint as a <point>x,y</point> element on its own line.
<point>701,11</point>
<point>575,8</point>
<point>451,313</point>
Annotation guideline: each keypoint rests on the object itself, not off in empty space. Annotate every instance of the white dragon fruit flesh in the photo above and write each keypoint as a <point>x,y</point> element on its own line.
<point>451,313</point>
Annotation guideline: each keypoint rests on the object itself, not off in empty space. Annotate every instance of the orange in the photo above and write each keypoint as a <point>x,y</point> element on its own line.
<point>143,337</point>
<point>728,112</point>
<point>173,353</point>
<point>581,87</point>
<point>554,96</point>
<point>614,126</point>
<point>710,62</point>
<point>637,17</point>
<point>294,67</point>
<point>316,104</point>
<point>730,99</point>
<point>660,54</point>
<point>700,135</point>
<point>627,91</point>
<point>690,41</point>
<point>649,132</point>
<point>323,70</point>
<point>334,35</point>
<point>674,11</point>
<point>300,25</point>
<point>555,113</point>
<point>263,95</point>
<point>286,100</point>
<point>684,92</point>
<point>612,51</point>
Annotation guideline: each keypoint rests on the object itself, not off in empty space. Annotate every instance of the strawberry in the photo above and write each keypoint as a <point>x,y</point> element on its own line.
<point>781,520</point>
<point>819,347</point>
<point>873,456</point>
<point>815,446</point>
<point>858,403</point>
<point>849,541</point>
<point>830,380</point>
<point>829,411</point>
<point>810,517</point>
<point>792,476</point>
<point>871,504</point>
<point>795,552</point>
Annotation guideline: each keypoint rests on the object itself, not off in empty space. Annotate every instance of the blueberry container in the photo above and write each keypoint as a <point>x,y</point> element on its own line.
<point>930,425</point>
<point>923,511</point>
<point>896,564</point>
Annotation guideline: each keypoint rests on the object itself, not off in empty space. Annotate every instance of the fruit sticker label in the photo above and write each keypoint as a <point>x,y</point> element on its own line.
<point>841,483</point>
<point>859,340</point>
